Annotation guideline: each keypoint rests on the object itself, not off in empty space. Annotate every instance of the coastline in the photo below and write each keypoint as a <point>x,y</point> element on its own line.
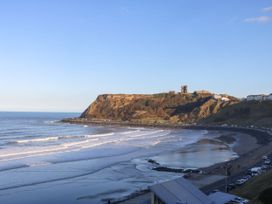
<point>249,143</point>
<point>214,175</point>
<point>263,136</point>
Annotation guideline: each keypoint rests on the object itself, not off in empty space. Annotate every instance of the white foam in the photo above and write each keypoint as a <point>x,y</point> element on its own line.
<point>99,135</point>
<point>45,139</point>
<point>130,132</point>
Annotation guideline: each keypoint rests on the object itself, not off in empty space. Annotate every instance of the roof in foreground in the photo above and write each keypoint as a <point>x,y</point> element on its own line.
<point>222,198</point>
<point>180,191</point>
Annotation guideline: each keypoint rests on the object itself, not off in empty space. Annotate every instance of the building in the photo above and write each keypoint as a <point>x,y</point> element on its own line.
<point>260,97</point>
<point>255,97</point>
<point>225,198</point>
<point>268,98</point>
<point>219,97</point>
<point>225,99</point>
<point>181,191</point>
<point>178,191</point>
<point>184,89</point>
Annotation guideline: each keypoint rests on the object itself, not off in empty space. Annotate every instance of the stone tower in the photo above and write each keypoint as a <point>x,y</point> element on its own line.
<point>184,89</point>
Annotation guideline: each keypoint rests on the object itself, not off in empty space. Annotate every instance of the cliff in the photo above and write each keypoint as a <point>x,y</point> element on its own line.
<point>245,113</point>
<point>175,108</point>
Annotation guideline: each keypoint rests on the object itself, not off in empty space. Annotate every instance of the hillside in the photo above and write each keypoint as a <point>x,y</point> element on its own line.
<point>256,189</point>
<point>245,113</point>
<point>174,108</point>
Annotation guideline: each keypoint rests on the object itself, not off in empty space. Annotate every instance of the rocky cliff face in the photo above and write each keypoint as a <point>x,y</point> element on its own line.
<point>156,108</point>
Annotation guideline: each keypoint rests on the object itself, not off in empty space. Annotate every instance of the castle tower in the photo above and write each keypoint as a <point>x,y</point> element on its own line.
<point>184,89</point>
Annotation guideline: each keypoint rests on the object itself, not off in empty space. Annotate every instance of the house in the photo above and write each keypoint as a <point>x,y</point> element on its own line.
<point>178,191</point>
<point>219,97</point>
<point>225,99</point>
<point>255,97</point>
<point>268,97</point>
<point>260,97</point>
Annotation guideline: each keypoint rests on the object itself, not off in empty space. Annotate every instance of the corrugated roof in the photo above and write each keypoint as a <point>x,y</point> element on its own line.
<point>221,198</point>
<point>180,191</point>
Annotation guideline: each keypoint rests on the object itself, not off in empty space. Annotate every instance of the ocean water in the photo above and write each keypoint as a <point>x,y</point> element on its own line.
<point>45,161</point>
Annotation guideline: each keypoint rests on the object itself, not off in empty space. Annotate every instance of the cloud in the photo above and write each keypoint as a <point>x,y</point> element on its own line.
<point>259,19</point>
<point>267,9</point>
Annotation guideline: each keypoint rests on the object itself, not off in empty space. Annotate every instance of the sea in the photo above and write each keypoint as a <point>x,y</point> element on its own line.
<point>43,160</point>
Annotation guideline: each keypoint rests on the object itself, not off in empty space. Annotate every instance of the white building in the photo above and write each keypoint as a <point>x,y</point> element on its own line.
<point>225,99</point>
<point>268,98</point>
<point>255,97</point>
<point>219,97</point>
<point>260,97</point>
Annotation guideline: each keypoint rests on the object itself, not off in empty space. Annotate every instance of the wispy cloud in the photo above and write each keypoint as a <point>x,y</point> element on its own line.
<point>259,19</point>
<point>267,9</point>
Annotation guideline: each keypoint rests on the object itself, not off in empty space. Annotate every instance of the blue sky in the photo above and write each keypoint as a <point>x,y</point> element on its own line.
<point>58,55</point>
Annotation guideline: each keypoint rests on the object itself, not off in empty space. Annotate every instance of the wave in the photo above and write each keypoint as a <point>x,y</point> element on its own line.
<point>148,133</point>
<point>55,138</point>
<point>130,132</point>
<point>45,139</point>
<point>51,121</point>
<point>64,147</point>
<point>99,135</point>
<point>141,138</point>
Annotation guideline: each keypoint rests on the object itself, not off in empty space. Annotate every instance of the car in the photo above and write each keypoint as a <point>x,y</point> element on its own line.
<point>267,161</point>
<point>240,182</point>
<point>265,157</point>
<point>247,177</point>
<point>255,173</point>
<point>240,200</point>
<point>265,167</point>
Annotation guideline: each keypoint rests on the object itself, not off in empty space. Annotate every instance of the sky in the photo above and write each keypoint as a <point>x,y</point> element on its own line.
<point>58,55</point>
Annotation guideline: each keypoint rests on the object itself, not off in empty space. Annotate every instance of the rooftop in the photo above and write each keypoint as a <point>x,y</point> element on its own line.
<point>180,191</point>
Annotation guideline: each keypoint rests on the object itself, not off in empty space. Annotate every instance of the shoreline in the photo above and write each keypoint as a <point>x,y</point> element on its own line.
<point>250,144</point>
<point>213,177</point>
<point>263,136</point>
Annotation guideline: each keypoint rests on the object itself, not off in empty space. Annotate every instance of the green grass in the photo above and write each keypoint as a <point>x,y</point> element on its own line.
<point>246,113</point>
<point>254,187</point>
